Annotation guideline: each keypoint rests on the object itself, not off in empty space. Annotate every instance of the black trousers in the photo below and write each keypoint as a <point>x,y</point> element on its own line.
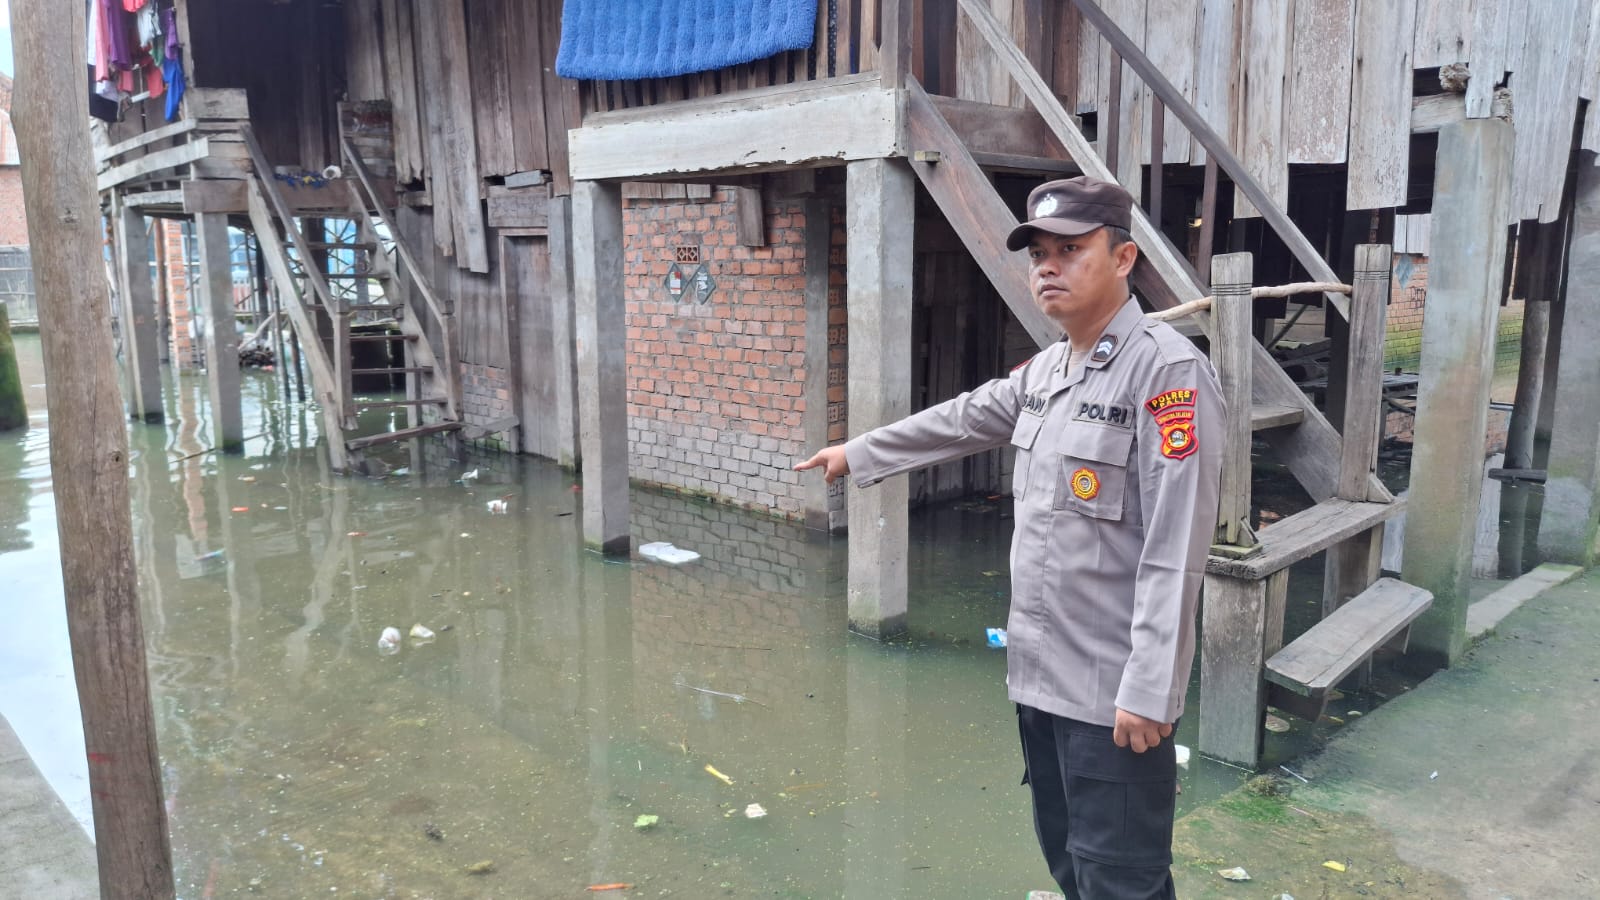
<point>1103,813</point>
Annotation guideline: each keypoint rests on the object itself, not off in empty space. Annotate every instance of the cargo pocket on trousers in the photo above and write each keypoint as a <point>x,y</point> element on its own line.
<point>1121,823</point>
<point>1092,473</point>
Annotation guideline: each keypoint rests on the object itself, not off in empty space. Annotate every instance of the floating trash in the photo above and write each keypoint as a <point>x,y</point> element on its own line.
<point>421,634</point>
<point>1182,753</point>
<point>469,476</point>
<point>481,868</point>
<point>1334,865</point>
<point>718,775</point>
<point>1276,725</point>
<point>389,641</point>
<point>661,551</point>
<point>497,507</point>
<point>646,822</point>
<point>755,811</point>
<point>1234,874</point>
<point>996,637</point>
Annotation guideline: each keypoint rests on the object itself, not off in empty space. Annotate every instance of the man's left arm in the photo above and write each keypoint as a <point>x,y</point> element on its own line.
<point>1179,460</point>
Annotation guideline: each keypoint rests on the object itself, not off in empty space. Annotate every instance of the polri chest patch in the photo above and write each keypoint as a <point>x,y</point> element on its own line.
<point>1103,414</point>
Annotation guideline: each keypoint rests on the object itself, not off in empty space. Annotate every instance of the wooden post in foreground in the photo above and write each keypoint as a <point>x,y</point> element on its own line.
<point>88,453</point>
<point>1231,276</point>
<point>1471,203</point>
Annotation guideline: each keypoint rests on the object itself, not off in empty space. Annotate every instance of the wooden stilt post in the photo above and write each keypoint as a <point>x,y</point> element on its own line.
<point>1471,203</point>
<point>1242,626</point>
<point>1354,564</point>
<point>1231,354</point>
<point>89,450</point>
<point>879,198</point>
<point>141,354</point>
<point>1571,517</point>
<point>562,333</point>
<point>13,410</point>
<point>222,336</point>
<point>814,421</point>
<point>1521,431</point>
<point>602,362</point>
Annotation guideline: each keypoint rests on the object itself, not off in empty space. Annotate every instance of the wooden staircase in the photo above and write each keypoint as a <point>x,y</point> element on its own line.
<point>328,286</point>
<point>1248,573</point>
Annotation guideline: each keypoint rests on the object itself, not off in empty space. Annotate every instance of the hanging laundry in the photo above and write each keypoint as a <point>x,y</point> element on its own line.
<point>173,70</point>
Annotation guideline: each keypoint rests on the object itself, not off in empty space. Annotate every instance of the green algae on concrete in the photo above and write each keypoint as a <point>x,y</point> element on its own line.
<point>1481,782</point>
<point>13,411</point>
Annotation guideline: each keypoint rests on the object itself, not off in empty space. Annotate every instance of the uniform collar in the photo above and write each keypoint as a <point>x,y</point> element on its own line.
<point>1116,335</point>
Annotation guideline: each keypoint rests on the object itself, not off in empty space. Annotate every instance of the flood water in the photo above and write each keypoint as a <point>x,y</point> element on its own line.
<point>564,696</point>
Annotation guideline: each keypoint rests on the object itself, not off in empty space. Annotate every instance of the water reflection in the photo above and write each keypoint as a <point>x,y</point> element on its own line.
<point>564,695</point>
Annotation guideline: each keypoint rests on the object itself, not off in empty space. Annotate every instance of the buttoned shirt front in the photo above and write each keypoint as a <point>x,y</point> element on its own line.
<point>1115,487</point>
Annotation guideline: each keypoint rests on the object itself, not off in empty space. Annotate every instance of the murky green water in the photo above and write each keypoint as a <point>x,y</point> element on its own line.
<point>563,697</point>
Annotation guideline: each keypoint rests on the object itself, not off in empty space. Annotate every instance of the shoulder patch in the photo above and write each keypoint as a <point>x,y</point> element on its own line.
<point>1174,414</point>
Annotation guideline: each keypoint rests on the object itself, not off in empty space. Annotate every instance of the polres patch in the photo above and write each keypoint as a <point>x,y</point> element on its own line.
<point>1174,412</point>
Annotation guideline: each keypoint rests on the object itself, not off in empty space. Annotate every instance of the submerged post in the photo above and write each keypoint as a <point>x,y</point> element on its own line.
<point>879,211</point>
<point>222,336</point>
<point>141,351</point>
<point>1571,517</point>
<point>89,453</point>
<point>1471,203</point>
<point>602,362</point>
<point>13,410</point>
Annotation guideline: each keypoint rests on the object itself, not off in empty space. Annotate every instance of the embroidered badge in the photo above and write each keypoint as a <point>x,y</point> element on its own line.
<point>1085,484</point>
<point>1046,206</point>
<point>1104,414</point>
<point>1174,412</point>
<point>1104,348</point>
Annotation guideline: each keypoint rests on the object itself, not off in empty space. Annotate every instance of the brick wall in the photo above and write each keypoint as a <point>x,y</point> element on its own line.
<point>1402,347</point>
<point>186,351</point>
<point>485,397</point>
<point>13,220</point>
<point>715,388</point>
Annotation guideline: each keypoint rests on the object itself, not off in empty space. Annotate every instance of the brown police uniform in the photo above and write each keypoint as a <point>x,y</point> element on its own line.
<point>1115,485</point>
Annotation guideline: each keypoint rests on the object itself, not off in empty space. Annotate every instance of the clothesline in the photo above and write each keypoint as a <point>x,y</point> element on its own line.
<point>1257,293</point>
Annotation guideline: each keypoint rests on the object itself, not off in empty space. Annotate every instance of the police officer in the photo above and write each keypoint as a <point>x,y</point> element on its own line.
<point>1118,453</point>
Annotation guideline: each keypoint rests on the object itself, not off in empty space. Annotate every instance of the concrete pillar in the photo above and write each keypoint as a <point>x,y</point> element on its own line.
<point>879,216</point>
<point>222,335</point>
<point>565,382</point>
<point>1567,529</point>
<point>602,346</point>
<point>1471,202</point>
<point>823,502</point>
<point>141,357</point>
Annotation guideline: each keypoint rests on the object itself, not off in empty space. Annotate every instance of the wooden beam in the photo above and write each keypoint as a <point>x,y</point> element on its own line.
<point>750,219</point>
<point>510,208</point>
<point>89,453</point>
<point>1243,626</point>
<point>778,126</point>
<point>216,103</point>
<point>1007,130</point>
<point>155,161</point>
<point>822,501</point>
<point>1434,111</point>
<point>228,195</point>
<point>1471,204</point>
<point>1232,338</point>
<point>182,126</point>
<point>140,320</point>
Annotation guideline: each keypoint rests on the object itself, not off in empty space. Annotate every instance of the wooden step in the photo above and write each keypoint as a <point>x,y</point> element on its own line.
<point>396,370</point>
<point>403,434</point>
<point>1308,532</point>
<point>1300,675</point>
<point>1026,165</point>
<point>1264,417</point>
<point>383,337</point>
<point>382,404</point>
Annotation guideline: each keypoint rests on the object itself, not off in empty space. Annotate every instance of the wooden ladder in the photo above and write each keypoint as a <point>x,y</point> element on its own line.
<point>1248,573</point>
<point>380,280</point>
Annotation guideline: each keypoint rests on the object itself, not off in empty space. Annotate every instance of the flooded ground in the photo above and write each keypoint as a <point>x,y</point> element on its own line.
<point>564,696</point>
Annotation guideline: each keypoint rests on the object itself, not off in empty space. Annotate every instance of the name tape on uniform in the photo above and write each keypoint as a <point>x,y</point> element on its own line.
<point>1105,414</point>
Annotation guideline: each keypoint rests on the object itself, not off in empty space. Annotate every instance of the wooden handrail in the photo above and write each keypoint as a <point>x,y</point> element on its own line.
<point>1171,98</point>
<point>375,203</point>
<point>281,209</point>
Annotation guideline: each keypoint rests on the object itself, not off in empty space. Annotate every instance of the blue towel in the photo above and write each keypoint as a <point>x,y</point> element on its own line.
<point>618,40</point>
